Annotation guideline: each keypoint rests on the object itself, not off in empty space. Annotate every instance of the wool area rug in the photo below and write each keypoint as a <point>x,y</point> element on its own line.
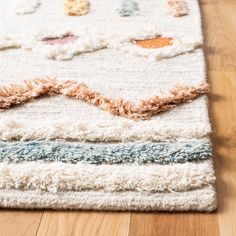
<point>104,106</point>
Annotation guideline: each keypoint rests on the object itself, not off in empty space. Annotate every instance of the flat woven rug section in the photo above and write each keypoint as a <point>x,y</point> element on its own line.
<point>103,106</point>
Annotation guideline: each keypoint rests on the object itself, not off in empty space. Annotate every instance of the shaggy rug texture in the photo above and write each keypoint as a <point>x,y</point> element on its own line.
<point>104,106</point>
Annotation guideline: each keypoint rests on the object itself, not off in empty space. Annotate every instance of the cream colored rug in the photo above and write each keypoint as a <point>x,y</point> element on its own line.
<point>104,106</point>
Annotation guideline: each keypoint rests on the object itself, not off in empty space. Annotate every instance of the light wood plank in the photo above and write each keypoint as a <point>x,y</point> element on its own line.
<point>18,223</point>
<point>84,223</point>
<point>223,109</point>
<point>220,36</point>
<point>169,224</point>
<point>223,2</point>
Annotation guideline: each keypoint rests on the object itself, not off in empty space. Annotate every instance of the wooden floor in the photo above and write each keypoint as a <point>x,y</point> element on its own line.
<point>219,20</point>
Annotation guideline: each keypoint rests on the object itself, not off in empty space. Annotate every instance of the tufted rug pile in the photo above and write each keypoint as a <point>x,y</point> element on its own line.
<point>104,106</point>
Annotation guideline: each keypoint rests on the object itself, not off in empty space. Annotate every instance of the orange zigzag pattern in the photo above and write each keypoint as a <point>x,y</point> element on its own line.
<point>16,94</point>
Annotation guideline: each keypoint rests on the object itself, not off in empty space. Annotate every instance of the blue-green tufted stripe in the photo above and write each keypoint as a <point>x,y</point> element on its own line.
<point>162,153</point>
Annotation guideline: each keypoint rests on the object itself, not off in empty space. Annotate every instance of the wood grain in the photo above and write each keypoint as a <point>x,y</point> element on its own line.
<point>219,20</point>
<point>84,223</point>
<point>169,224</point>
<point>18,223</point>
<point>220,34</point>
<point>223,109</point>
